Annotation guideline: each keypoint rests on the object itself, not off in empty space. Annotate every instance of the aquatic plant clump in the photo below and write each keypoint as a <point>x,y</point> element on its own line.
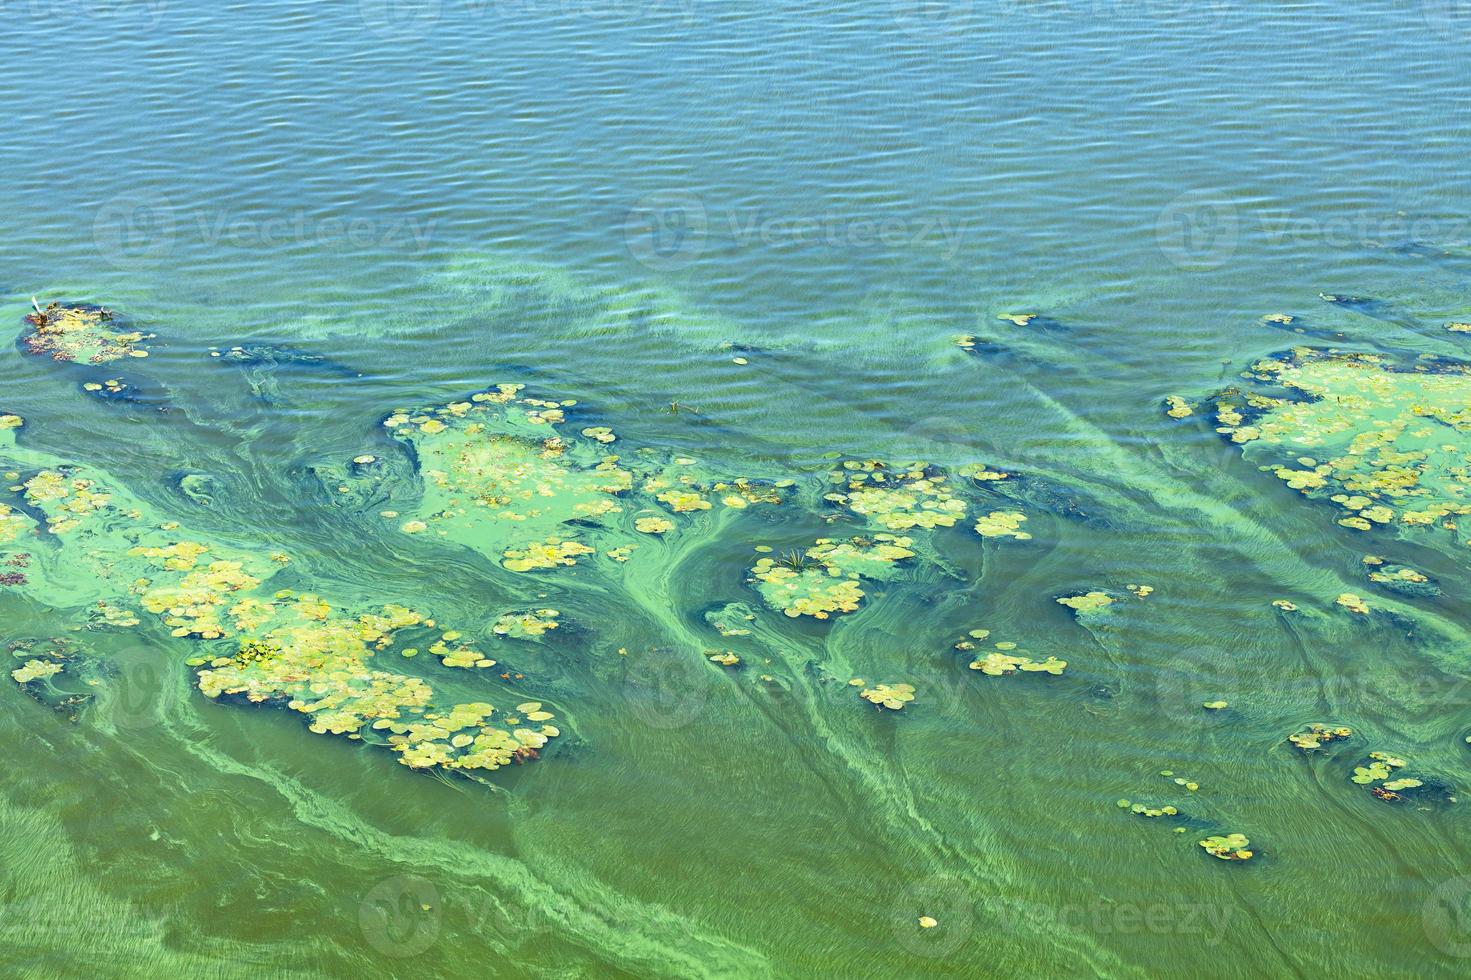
<point>1376,773</point>
<point>824,579</point>
<point>84,334</point>
<point>1388,442</point>
<point>1317,735</point>
<point>1230,847</point>
<point>524,625</point>
<point>891,696</point>
<point>897,498</point>
<point>1088,602</point>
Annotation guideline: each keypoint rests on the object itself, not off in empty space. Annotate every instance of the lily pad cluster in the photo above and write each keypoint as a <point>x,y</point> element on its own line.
<point>1145,810</point>
<point>1378,774</point>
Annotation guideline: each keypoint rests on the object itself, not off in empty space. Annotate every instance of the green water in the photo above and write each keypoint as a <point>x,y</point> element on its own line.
<point>611,206</point>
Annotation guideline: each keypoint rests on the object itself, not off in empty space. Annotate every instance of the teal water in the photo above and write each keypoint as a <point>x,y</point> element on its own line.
<point>395,204</point>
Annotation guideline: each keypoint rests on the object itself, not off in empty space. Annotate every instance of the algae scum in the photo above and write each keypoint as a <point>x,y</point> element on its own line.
<point>552,557</point>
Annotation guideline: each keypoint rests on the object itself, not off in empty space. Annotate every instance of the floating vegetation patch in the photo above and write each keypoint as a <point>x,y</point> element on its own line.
<point>1004,661</point>
<point>526,625</point>
<point>1002,524</point>
<point>1087,603</point>
<point>1317,735</point>
<point>1177,407</point>
<point>897,498</point>
<point>824,579</point>
<point>1401,579</point>
<point>731,619</point>
<point>1230,847</point>
<point>1388,442</point>
<point>891,696</point>
<point>84,334</point>
<point>1381,773</point>
<point>1145,810</point>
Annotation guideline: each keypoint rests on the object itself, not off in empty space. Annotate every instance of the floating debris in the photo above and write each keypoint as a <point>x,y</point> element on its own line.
<point>1177,407</point>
